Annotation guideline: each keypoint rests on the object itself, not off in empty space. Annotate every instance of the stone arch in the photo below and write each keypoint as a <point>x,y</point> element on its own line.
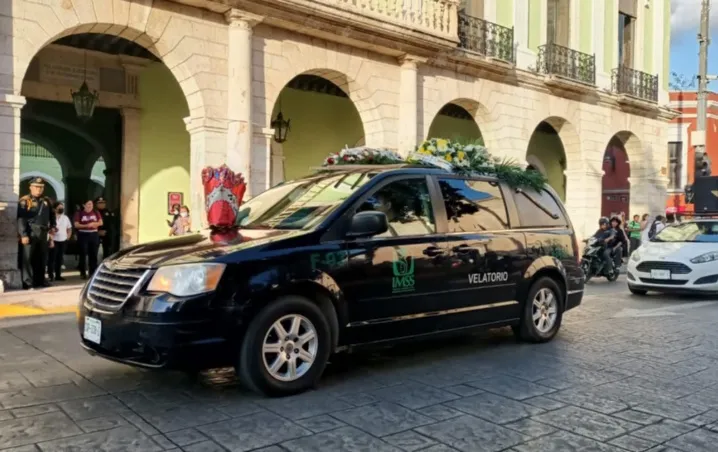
<point>97,180</point>
<point>57,185</point>
<point>50,147</point>
<point>536,163</point>
<point>481,115</point>
<point>570,140</point>
<point>634,151</point>
<point>169,31</point>
<point>374,132</point>
<point>100,149</point>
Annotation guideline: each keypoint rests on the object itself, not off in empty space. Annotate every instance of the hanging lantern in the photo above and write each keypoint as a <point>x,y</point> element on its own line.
<point>281,128</point>
<point>85,102</point>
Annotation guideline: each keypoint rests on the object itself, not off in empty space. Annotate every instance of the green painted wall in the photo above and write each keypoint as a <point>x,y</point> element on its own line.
<point>536,17</point>
<point>321,124</point>
<point>505,13</point>
<point>648,27</point>
<point>666,70</point>
<point>462,130</point>
<point>585,32</point>
<point>610,37</point>
<point>549,150</point>
<point>164,149</point>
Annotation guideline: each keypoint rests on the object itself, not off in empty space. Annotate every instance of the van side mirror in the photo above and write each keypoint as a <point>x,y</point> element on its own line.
<point>367,224</point>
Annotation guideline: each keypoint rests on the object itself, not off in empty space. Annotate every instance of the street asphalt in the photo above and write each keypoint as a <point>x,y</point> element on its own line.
<point>625,373</point>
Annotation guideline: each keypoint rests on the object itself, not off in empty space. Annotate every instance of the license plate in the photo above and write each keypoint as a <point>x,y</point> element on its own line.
<point>660,274</point>
<point>93,330</point>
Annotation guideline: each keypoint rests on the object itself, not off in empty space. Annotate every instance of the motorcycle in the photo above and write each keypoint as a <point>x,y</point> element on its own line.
<point>592,262</point>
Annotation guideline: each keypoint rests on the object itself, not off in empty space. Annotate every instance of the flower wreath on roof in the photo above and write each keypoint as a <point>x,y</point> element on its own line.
<point>448,155</point>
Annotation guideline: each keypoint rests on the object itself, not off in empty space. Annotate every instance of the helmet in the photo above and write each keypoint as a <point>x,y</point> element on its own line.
<point>603,221</point>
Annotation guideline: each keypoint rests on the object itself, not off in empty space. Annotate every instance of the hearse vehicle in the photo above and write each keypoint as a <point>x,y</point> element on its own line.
<point>352,256</point>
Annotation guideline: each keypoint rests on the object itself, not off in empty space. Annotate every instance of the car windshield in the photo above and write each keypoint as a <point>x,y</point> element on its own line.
<point>691,231</point>
<point>301,203</point>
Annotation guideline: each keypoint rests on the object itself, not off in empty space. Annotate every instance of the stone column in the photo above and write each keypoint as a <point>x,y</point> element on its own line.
<point>648,194</point>
<point>264,160</point>
<point>239,101</point>
<point>207,148</point>
<point>130,178</point>
<point>408,103</point>
<point>10,106</point>
<point>583,188</point>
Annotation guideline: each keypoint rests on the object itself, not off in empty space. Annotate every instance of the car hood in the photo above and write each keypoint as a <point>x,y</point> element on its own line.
<point>678,251</point>
<point>200,247</point>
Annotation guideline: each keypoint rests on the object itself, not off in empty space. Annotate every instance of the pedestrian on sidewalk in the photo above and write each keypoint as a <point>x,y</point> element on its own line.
<point>634,233</point>
<point>35,219</point>
<point>182,224</point>
<point>60,236</point>
<point>87,222</point>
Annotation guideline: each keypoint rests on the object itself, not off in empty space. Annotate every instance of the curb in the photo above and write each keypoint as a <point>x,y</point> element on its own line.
<point>20,310</point>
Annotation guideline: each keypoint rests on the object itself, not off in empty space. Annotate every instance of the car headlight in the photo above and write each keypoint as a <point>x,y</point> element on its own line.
<point>707,257</point>
<point>187,279</point>
<point>635,256</point>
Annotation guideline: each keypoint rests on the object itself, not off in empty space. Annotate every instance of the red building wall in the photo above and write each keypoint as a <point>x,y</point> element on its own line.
<point>685,103</point>
<point>615,186</point>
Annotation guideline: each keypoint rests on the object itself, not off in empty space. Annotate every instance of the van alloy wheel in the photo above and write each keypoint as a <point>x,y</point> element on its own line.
<point>290,347</point>
<point>545,309</point>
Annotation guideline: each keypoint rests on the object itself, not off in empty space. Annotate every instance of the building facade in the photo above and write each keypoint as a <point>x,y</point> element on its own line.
<point>189,83</point>
<point>681,167</point>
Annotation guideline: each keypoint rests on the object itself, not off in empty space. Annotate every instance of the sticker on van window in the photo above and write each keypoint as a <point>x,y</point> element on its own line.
<point>403,267</point>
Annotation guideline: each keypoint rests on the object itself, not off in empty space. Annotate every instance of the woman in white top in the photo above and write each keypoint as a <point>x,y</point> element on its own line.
<point>60,235</point>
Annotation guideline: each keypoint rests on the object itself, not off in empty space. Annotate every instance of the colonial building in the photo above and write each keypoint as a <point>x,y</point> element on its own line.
<point>189,83</point>
<point>681,167</point>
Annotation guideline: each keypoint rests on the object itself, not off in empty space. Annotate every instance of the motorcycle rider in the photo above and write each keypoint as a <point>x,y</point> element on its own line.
<point>620,241</point>
<point>605,235</point>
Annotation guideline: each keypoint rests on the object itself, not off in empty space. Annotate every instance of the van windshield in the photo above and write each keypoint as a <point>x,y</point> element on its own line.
<point>690,231</point>
<point>301,203</point>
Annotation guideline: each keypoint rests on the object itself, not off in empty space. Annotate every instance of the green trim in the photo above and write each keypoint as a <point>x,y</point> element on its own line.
<point>536,17</point>
<point>505,13</point>
<point>648,30</point>
<point>610,36</point>
<point>666,44</point>
<point>585,33</point>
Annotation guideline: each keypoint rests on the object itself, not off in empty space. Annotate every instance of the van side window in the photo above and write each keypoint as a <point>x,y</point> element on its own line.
<point>538,209</point>
<point>473,205</point>
<point>407,205</point>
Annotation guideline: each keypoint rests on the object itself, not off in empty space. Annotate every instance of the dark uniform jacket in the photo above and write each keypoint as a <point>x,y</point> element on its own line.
<point>34,212</point>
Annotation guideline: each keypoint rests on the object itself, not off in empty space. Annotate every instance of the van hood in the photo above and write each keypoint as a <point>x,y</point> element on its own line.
<point>200,247</point>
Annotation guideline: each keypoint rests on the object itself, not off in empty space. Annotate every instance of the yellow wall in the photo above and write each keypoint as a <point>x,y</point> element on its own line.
<point>549,150</point>
<point>454,129</point>
<point>164,149</point>
<point>321,124</point>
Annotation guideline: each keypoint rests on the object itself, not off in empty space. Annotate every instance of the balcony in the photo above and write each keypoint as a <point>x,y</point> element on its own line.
<point>630,83</point>
<point>392,27</point>
<point>486,38</point>
<point>567,68</point>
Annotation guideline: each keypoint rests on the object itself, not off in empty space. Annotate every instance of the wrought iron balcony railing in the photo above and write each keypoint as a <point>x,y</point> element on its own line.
<point>486,38</point>
<point>554,59</point>
<point>625,80</point>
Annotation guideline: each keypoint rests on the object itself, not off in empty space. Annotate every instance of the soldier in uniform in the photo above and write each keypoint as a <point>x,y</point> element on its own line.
<point>35,220</point>
<point>108,230</point>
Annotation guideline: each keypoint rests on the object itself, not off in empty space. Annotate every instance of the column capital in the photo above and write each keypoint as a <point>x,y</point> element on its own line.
<point>12,100</point>
<point>237,18</point>
<point>266,132</point>
<point>411,61</point>
<point>202,124</point>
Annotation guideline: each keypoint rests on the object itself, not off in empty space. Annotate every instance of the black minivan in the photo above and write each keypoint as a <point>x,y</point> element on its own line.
<point>348,257</point>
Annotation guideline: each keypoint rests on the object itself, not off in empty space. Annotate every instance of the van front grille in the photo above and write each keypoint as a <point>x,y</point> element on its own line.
<point>109,289</point>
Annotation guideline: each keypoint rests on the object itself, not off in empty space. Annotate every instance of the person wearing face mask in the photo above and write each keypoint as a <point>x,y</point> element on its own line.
<point>87,222</point>
<point>182,223</point>
<point>60,236</point>
<point>175,211</point>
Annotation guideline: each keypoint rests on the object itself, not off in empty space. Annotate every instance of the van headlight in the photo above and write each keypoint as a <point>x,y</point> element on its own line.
<point>187,279</point>
<point>707,257</point>
<point>636,256</point>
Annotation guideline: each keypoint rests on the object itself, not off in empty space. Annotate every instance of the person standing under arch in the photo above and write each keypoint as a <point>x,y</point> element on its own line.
<point>88,221</point>
<point>35,220</point>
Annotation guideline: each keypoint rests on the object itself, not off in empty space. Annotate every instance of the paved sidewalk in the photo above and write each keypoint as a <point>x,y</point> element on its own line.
<point>52,300</point>
<point>625,374</point>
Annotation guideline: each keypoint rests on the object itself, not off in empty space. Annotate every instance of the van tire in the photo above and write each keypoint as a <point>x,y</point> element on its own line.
<point>253,362</point>
<point>527,330</point>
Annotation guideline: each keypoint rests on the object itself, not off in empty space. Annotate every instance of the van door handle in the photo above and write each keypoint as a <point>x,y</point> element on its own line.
<point>462,249</point>
<point>433,251</point>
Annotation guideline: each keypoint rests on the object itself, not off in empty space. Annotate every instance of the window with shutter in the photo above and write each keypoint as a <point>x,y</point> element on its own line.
<point>626,32</point>
<point>473,8</point>
<point>558,22</point>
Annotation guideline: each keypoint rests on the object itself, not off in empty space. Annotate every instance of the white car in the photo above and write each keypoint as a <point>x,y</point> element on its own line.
<point>682,258</point>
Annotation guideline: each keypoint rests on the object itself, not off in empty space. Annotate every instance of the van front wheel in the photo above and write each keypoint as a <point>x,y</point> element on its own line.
<point>542,312</point>
<point>286,347</point>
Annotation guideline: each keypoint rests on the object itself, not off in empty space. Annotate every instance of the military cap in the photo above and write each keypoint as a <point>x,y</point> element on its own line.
<point>38,181</point>
<point>99,200</point>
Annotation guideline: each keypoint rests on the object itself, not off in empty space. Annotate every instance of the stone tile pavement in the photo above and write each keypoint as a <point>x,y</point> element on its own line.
<point>624,374</point>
